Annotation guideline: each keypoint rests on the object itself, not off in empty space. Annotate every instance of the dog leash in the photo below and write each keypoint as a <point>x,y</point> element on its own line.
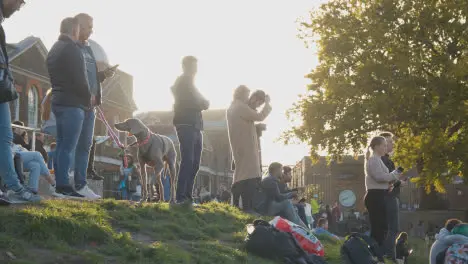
<point>112,134</point>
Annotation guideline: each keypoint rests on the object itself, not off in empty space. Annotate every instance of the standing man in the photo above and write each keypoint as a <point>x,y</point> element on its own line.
<point>188,121</point>
<point>241,117</point>
<point>7,94</point>
<point>392,202</point>
<point>75,92</point>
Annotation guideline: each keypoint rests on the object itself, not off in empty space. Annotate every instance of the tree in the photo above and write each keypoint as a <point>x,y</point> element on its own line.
<point>396,65</point>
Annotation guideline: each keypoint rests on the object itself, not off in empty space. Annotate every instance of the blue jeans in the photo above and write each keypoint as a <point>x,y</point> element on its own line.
<point>35,164</point>
<point>191,147</point>
<point>392,206</point>
<point>75,129</point>
<point>7,167</point>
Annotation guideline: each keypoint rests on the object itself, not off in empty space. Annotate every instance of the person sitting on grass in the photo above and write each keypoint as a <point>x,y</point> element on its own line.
<point>445,239</point>
<point>273,201</point>
<point>322,229</point>
<point>402,249</point>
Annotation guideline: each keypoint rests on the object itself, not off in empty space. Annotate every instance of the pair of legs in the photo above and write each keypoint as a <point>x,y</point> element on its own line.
<point>191,147</point>
<point>7,167</point>
<point>247,189</point>
<point>35,164</point>
<point>75,129</point>
<point>375,204</point>
<point>392,206</point>
<point>301,212</point>
<point>286,210</point>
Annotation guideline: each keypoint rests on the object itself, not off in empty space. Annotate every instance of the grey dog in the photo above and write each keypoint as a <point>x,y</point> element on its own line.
<point>154,150</point>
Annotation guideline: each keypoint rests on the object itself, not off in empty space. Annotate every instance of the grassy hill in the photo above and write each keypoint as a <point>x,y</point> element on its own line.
<point>111,231</point>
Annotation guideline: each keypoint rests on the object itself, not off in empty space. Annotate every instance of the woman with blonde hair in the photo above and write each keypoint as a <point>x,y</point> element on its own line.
<point>377,181</point>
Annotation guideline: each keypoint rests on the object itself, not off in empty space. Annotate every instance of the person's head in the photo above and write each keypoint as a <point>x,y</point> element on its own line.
<point>335,204</point>
<point>40,137</point>
<point>389,138</point>
<point>53,145</point>
<point>190,65</point>
<point>402,237</point>
<point>323,223</point>
<point>257,98</point>
<point>241,93</point>
<point>16,130</point>
<point>287,176</point>
<point>85,22</point>
<point>378,145</point>
<point>9,7</point>
<point>70,27</point>
<point>275,169</point>
<point>302,200</point>
<point>451,223</point>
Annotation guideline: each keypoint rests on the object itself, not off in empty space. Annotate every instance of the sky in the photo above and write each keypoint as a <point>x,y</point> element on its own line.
<point>236,42</point>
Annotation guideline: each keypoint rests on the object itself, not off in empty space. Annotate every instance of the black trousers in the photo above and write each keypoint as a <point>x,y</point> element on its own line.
<point>247,189</point>
<point>375,204</point>
<point>92,153</point>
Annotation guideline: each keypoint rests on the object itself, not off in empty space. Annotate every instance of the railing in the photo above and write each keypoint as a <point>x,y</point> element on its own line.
<point>33,130</point>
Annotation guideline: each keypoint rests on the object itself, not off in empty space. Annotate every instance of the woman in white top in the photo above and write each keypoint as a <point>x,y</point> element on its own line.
<point>377,184</point>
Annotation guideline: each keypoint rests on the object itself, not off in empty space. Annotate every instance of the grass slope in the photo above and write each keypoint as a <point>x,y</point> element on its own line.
<point>119,232</point>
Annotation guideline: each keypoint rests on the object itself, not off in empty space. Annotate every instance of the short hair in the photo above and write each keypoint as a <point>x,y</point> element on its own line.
<point>386,134</point>
<point>67,25</point>
<point>321,222</point>
<point>239,90</point>
<point>259,94</point>
<point>188,59</point>
<point>451,223</point>
<point>286,169</point>
<point>53,145</point>
<point>82,17</point>
<point>274,166</point>
<point>18,123</point>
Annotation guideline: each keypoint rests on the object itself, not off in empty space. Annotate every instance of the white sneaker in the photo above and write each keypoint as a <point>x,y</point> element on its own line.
<point>88,193</point>
<point>54,193</point>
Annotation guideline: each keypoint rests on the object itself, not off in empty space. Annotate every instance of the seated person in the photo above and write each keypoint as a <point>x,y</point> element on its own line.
<point>274,202</point>
<point>402,249</point>
<point>19,135</point>
<point>35,164</point>
<point>51,155</point>
<point>322,229</point>
<point>445,239</point>
<point>286,178</point>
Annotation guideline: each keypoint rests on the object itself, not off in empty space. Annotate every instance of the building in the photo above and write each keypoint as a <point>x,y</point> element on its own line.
<point>344,182</point>
<point>28,65</point>
<point>215,168</point>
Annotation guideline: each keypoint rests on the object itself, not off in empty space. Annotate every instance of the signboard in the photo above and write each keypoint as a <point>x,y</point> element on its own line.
<point>347,198</point>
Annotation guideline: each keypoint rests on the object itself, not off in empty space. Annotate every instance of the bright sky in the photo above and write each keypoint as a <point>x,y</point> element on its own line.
<point>251,42</point>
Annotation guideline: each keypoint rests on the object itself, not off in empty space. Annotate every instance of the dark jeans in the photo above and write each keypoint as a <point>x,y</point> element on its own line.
<point>247,189</point>
<point>375,204</point>
<point>392,206</point>
<point>75,129</point>
<point>191,147</point>
<point>301,213</point>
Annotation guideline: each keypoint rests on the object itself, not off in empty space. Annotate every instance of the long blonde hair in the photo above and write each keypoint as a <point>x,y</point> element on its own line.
<point>375,141</point>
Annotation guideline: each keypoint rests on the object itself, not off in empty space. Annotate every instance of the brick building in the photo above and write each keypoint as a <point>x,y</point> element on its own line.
<point>215,167</point>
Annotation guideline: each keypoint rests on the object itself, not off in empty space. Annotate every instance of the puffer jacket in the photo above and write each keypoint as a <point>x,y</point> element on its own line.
<point>444,239</point>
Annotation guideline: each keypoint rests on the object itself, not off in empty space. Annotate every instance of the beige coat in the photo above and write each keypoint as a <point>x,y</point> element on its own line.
<point>243,139</point>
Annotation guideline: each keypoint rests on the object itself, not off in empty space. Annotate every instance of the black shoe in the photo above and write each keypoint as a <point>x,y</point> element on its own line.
<point>68,192</point>
<point>94,176</point>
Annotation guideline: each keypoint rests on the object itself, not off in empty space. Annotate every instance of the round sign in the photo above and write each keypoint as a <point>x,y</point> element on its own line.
<point>347,198</point>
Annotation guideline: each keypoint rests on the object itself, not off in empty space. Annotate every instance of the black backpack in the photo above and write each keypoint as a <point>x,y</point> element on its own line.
<point>360,249</point>
<point>268,242</point>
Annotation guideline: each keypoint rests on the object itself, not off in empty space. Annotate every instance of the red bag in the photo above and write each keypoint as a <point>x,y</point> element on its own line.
<point>305,238</point>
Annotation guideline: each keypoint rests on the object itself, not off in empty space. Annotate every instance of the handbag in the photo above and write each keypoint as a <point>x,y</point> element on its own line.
<point>7,88</point>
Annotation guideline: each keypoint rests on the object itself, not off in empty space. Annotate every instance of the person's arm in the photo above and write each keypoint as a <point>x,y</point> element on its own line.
<point>376,171</point>
<point>76,67</point>
<point>250,114</point>
<point>272,189</point>
<point>186,95</point>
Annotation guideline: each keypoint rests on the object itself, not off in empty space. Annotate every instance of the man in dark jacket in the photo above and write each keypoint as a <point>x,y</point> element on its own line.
<point>188,120</point>
<point>277,203</point>
<point>8,175</point>
<point>75,92</point>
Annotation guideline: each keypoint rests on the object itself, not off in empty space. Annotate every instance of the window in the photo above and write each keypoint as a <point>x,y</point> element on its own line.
<point>32,106</point>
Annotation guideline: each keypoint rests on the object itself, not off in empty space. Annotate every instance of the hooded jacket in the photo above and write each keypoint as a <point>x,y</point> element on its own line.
<point>445,239</point>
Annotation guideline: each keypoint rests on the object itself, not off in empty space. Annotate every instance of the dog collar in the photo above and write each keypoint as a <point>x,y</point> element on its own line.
<point>144,142</point>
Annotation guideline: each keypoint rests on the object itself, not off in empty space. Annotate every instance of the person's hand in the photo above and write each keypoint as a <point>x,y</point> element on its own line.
<point>93,100</point>
<point>390,187</point>
<point>267,99</point>
<point>294,194</point>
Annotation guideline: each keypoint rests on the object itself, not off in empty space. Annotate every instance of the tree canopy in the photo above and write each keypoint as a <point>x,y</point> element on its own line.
<point>393,65</point>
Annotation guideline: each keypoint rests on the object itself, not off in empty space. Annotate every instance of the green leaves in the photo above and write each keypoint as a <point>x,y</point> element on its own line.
<point>397,65</point>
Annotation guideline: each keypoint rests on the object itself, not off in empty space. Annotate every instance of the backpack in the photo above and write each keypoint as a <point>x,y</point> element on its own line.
<point>360,249</point>
<point>457,254</point>
<point>266,241</point>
